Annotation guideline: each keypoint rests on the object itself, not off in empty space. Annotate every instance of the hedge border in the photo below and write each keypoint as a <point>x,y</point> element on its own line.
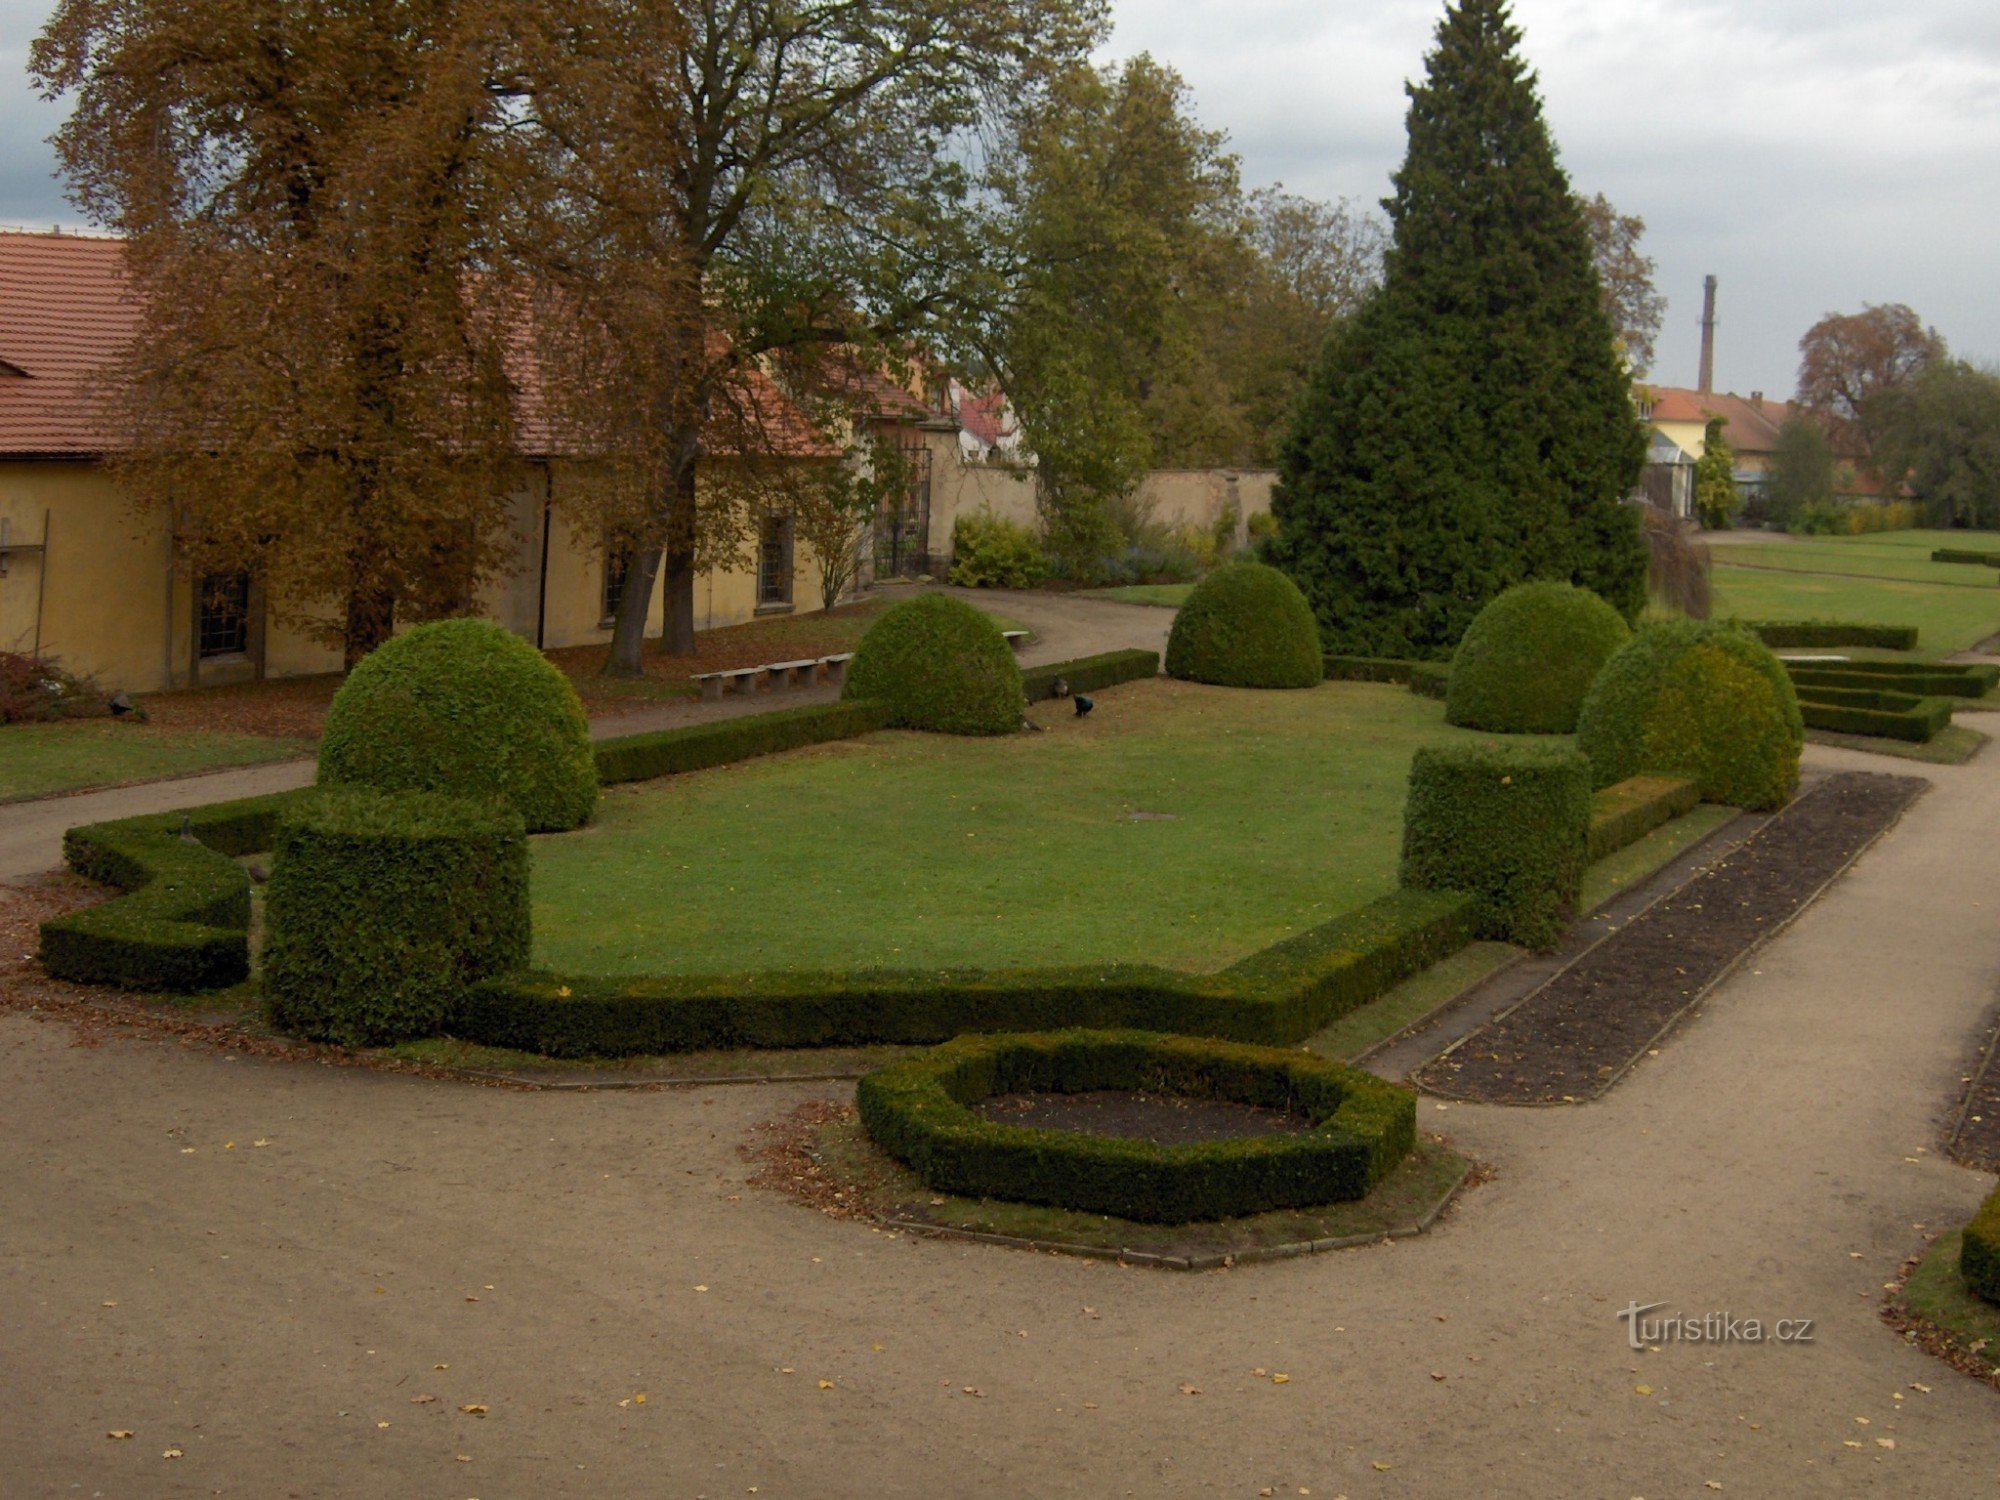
<point>700,747</point>
<point>1625,812</point>
<point>1979,1251</point>
<point>1925,679</point>
<point>1427,679</point>
<point>1966,555</point>
<point>1918,720</point>
<point>919,1111</point>
<point>1090,674</point>
<point>1794,633</point>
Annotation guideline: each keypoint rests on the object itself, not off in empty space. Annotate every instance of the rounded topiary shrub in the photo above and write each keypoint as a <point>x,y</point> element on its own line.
<point>1979,1251</point>
<point>467,708</point>
<point>1703,700</point>
<point>1529,657</point>
<point>939,664</point>
<point>1509,824</point>
<point>383,906</point>
<point>1246,625</point>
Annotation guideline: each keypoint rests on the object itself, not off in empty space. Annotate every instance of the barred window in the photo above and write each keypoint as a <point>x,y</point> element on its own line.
<point>224,626</point>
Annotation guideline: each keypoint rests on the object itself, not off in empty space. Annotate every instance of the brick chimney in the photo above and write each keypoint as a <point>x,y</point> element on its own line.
<point>1707,382</point>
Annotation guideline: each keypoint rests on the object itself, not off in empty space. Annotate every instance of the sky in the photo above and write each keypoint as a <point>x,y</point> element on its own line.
<point>1814,155</point>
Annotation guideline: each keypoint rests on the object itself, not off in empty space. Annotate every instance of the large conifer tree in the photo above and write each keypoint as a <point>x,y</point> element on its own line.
<point>1472,426</point>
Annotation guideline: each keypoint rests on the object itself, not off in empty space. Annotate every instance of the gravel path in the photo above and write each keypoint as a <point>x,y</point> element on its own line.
<point>267,1268</point>
<point>1065,626</point>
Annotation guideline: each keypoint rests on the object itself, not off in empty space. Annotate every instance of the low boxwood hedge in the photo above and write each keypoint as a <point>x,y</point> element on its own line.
<point>1805,633</point>
<point>1622,814</point>
<point>1941,679</point>
<point>1966,555</point>
<point>1889,716</point>
<point>1507,823</point>
<point>1280,996</point>
<point>384,906</point>
<point>1528,658</point>
<point>1427,679</point>
<point>183,925</point>
<point>672,752</point>
<point>1979,1251</point>
<point>1246,625</point>
<point>1090,674</point>
<point>919,1110</point>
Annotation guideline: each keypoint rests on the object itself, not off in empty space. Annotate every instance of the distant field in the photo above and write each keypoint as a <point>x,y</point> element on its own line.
<point>1886,578</point>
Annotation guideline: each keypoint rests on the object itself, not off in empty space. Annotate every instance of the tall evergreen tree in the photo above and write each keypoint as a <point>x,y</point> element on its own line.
<point>1472,426</point>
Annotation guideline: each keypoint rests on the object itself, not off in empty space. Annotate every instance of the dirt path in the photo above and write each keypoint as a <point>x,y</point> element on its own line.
<point>264,1267</point>
<point>1065,626</point>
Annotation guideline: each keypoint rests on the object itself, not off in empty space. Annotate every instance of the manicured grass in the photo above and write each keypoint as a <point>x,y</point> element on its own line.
<point>37,759</point>
<point>1967,1327</point>
<point>1875,556</point>
<point>1953,745</point>
<point>1167,595</point>
<point>1272,812</point>
<point>1947,618</point>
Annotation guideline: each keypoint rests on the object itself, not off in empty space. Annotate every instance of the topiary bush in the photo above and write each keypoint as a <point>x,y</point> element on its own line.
<point>383,907</point>
<point>1529,657</point>
<point>939,664</point>
<point>1509,824</point>
<point>1979,1251</point>
<point>1246,625</point>
<point>1697,699</point>
<point>466,708</point>
<point>992,552</point>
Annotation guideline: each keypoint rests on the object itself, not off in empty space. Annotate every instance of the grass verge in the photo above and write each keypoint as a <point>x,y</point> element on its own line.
<point>1165,595</point>
<point>1953,745</point>
<point>37,760</point>
<point>1940,1313</point>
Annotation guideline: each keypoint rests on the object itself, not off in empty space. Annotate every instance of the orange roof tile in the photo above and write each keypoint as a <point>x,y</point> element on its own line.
<point>1750,424</point>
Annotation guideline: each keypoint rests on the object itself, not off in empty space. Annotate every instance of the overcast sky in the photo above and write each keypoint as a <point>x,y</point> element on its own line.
<point>1814,154</point>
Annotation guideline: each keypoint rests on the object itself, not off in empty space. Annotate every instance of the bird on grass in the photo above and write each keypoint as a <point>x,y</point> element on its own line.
<point>1084,705</point>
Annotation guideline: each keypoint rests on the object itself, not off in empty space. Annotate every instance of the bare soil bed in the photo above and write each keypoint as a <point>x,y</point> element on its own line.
<point>1575,1036</point>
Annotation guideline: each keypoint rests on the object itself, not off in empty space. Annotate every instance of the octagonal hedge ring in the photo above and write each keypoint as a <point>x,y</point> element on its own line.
<point>920,1110</point>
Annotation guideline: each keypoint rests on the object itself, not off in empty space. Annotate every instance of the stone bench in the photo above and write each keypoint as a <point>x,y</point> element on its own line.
<point>1016,638</point>
<point>741,679</point>
<point>797,673</point>
<point>836,666</point>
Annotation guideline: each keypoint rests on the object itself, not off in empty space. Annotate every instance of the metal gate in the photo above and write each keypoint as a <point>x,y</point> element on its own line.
<point>903,525</point>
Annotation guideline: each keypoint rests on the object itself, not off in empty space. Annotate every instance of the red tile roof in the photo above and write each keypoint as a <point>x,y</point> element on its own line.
<point>982,415</point>
<point>67,313</point>
<point>1750,424</point>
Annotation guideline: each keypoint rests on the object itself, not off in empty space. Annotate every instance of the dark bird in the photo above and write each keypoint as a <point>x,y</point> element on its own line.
<point>1084,705</point>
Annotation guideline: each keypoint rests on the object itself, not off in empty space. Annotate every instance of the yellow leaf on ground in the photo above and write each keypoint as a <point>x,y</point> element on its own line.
<point>826,1385</point>
<point>119,1432</point>
<point>1280,1378</point>
<point>1644,1390</point>
<point>473,1409</point>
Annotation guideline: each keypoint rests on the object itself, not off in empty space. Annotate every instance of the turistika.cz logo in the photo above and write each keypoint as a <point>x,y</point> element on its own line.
<point>1642,1331</point>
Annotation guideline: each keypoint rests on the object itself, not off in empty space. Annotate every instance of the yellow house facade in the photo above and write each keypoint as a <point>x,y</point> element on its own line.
<point>91,581</point>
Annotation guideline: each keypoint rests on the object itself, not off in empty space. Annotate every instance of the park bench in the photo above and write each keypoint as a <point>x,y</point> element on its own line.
<point>741,679</point>
<point>1016,638</point>
<point>796,673</point>
<point>836,666</point>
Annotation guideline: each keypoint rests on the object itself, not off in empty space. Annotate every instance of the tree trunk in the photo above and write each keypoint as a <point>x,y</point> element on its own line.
<point>677,629</point>
<point>628,631</point>
<point>371,618</point>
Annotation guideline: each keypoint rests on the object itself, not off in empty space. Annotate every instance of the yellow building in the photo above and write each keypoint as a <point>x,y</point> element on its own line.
<point>87,579</point>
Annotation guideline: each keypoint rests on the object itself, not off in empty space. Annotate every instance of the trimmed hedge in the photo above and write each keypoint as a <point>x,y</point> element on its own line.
<point>466,708</point>
<point>184,924</point>
<point>1090,674</point>
<point>1430,679</point>
<point>936,663</point>
<point>1966,555</point>
<point>1889,716</point>
<point>1926,679</point>
<point>383,906</point>
<point>1509,824</point>
<point>1979,1251</point>
<point>1623,814</point>
<point>1246,625</point>
<point>919,1111</point>
<point>672,752</point>
<point>1832,633</point>
<point>1705,700</point>
<point>1427,679</point>
<point>1529,657</point>
<point>1278,997</point>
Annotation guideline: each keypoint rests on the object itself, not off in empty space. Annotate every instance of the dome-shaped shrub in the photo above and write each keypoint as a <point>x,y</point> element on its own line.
<point>466,708</point>
<point>1246,625</point>
<point>1529,657</point>
<point>1707,701</point>
<point>939,664</point>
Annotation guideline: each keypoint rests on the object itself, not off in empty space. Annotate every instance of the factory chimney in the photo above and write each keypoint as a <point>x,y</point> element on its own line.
<point>1707,335</point>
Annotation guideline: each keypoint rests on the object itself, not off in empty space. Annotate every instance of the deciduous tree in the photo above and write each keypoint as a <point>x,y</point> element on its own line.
<point>1634,304</point>
<point>1941,435</point>
<point>1849,361</point>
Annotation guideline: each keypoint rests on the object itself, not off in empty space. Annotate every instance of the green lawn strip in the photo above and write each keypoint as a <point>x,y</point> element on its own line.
<point>878,1184</point>
<point>1953,745</point>
<point>1443,982</point>
<point>39,759</point>
<point>1166,595</point>
<point>1966,1327</point>
<point>1947,619</point>
<point>1840,559</point>
<point>719,1066</point>
<point>1269,814</point>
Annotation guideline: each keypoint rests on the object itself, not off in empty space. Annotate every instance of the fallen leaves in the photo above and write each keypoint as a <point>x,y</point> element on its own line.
<point>1190,1390</point>
<point>422,1400</point>
<point>171,1453</point>
<point>119,1433</point>
<point>1643,1390</point>
<point>473,1409</point>
<point>827,1385</point>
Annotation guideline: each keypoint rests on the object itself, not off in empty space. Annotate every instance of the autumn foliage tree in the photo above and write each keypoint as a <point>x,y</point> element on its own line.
<point>319,390</point>
<point>1848,364</point>
<point>1631,300</point>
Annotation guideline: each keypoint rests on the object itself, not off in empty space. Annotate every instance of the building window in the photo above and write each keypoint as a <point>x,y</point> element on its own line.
<point>224,627</point>
<point>774,562</point>
<point>617,567</point>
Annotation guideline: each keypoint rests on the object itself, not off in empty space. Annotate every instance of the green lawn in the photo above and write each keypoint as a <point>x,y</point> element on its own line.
<point>1168,595</point>
<point>36,759</point>
<point>1947,618</point>
<point>1274,811</point>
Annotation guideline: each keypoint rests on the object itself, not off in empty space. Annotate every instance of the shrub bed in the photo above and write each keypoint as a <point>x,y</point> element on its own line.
<point>672,752</point>
<point>1528,658</point>
<point>919,1111</point>
<point>1790,633</point>
<point>1246,625</point>
<point>1979,1251</point>
<point>183,925</point>
<point>1509,824</point>
<point>1966,555</point>
<point>1926,679</point>
<point>991,552</point>
<point>1089,674</point>
<point>936,663</point>
<point>384,906</point>
<point>466,708</point>
<point>1280,996</point>
<point>1623,814</point>
<point>1889,716</point>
